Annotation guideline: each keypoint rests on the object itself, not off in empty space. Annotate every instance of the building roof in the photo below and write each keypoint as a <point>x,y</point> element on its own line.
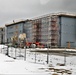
<point>65,14</point>
<point>22,21</point>
<point>56,14</point>
<point>1,27</point>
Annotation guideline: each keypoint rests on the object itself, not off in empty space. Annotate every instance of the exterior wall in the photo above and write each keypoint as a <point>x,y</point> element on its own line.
<point>45,30</point>
<point>68,31</point>
<point>13,30</point>
<point>6,34</point>
<point>1,31</point>
<point>36,30</point>
<point>2,35</point>
<point>28,30</point>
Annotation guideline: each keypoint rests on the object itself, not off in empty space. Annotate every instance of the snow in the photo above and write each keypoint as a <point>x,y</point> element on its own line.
<point>3,46</point>
<point>12,66</point>
<point>33,65</point>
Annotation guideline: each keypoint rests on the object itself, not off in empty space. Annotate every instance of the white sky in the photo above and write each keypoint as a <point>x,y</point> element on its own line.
<point>21,9</point>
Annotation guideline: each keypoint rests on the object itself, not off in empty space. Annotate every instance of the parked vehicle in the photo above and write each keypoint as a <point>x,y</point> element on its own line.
<point>35,44</point>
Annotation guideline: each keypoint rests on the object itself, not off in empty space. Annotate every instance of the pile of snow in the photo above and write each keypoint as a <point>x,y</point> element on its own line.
<point>3,46</point>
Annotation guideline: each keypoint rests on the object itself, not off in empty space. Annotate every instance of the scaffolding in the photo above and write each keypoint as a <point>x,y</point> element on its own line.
<point>36,30</point>
<point>45,30</point>
<point>54,31</point>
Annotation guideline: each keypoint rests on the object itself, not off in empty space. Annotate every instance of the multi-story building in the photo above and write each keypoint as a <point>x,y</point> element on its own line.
<point>44,31</point>
<point>17,28</point>
<point>67,30</point>
<point>13,29</point>
<point>1,31</point>
<point>2,35</point>
<point>55,30</point>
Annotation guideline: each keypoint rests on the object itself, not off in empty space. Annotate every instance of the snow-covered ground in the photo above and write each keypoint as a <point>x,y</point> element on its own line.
<point>36,63</point>
<point>11,66</point>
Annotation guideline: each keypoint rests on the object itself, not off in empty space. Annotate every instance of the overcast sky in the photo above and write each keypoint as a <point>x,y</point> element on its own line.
<point>22,9</point>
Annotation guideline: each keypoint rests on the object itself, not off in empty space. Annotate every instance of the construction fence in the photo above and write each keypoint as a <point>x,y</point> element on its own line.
<point>37,57</point>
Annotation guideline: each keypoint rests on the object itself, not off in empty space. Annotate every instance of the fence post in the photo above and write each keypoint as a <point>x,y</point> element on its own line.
<point>15,52</point>
<point>25,53</point>
<point>7,51</point>
<point>35,56</point>
<point>65,57</point>
<point>47,55</point>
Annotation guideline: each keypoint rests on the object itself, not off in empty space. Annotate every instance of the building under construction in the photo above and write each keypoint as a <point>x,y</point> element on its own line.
<point>55,30</point>
<point>45,31</point>
<point>52,30</point>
